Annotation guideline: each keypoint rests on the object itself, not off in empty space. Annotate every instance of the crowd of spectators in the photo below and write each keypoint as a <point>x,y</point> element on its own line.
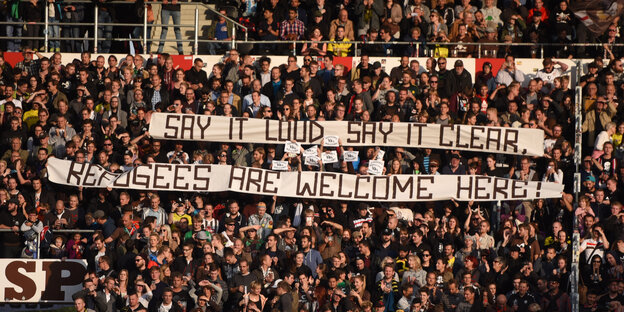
<point>421,26</point>
<point>172,251</point>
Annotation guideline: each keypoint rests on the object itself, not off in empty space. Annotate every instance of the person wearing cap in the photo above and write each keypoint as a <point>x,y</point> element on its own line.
<point>461,79</point>
<point>454,166</point>
<point>490,37</point>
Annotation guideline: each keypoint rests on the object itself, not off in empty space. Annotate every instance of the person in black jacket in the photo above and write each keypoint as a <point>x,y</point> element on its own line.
<point>157,97</point>
<point>33,13</point>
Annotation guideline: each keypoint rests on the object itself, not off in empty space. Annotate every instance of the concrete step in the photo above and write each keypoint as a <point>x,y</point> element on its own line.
<point>187,18</point>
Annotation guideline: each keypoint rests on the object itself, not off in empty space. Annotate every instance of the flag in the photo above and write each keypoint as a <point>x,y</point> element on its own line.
<point>597,15</point>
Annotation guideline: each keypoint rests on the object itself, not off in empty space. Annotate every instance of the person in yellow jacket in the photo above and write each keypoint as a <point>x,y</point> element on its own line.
<point>344,47</point>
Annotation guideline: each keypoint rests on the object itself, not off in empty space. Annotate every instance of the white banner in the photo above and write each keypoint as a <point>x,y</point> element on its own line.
<point>47,280</point>
<point>352,133</point>
<point>308,184</point>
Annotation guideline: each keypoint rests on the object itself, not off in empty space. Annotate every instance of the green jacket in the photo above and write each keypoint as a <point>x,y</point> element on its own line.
<point>212,30</point>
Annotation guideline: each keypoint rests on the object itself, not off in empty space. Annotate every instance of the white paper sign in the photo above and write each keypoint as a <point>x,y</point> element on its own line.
<point>279,165</point>
<point>331,140</point>
<point>311,160</point>
<point>312,151</point>
<point>380,155</point>
<point>350,156</point>
<point>292,147</point>
<point>329,157</point>
<point>375,167</point>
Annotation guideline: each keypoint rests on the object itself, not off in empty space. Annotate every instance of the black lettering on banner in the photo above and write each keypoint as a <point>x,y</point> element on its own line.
<point>518,185</point>
<point>340,184</point>
<point>231,128</point>
<point>306,188</point>
<point>267,131</point>
<point>384,195</point>
<point>326,186</point>
<point>91,173</point>
<point>420,188</point>
<point>254,176</point>
<point>511,141</point>
<point>55,279</point>
<point>237,174</point>
<point>398,188</point>
<point>157,177</point>
<point>420,127</point>
<point>177,176</point>
<point>461,187</point>
<point>269,179</point>
<point>321,131</point>
<point>366,131</point>
<point>280,131</point>
<point>73,172</point>
<point>474,137</point>
<point>205,126</point>
<point>441,142</point>
<point>480,192</point>
<point>188,124</point>
<point>498,189</point>
<point>200,177</point>
<point>386,133</point>
<point>123,181</point>
<point>351,132</point>
<point>303,131</point>
<point>357,187</point>
<point>141,179</point>
<point>458,138</point>
<point>15,277</point>
<point>493,136</point>
<point>105,174</point>
<point>240,127</point>
<point>168,125</point>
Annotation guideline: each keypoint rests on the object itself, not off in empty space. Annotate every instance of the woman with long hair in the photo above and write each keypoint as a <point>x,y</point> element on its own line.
<point>359,294</point>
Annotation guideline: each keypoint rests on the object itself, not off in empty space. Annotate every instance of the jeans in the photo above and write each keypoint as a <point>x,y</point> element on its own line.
<point>164,19</point>
<point>53,32</point>
<point>14,31</point>
<point>214,46</point>
<point>138,33</point>
<point>105,33</point>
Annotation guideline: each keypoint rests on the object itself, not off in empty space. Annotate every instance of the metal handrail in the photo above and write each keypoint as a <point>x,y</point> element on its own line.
<point>235,23</point>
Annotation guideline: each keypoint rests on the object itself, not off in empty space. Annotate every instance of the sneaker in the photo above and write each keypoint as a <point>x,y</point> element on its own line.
<point>57,49</point>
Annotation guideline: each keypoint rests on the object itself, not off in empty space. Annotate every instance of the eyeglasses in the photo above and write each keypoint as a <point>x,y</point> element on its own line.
<point>222,155</point>
<point>442,63</point>
<point>433,81</point>
<point>267,111</point>
<point>426,255</point>
<point>108,144</point>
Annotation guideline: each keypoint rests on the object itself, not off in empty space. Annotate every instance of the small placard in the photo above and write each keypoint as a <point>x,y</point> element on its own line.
<point>380,155</point>
<point>312,151</point>
<point>331,141</point>
<point>279,165</point>
<point>329,157</point>
<point>350,156</point>
<point>375,167</point>
<point>292,147</point>
<point>311,160</point>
